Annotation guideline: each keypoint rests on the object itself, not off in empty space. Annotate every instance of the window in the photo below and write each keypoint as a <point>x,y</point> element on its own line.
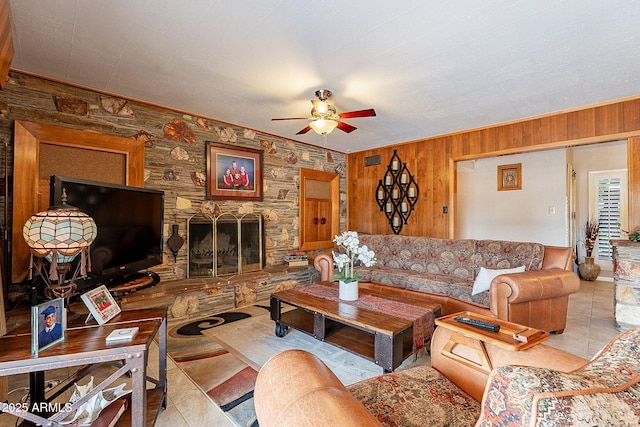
<point>608,193</point>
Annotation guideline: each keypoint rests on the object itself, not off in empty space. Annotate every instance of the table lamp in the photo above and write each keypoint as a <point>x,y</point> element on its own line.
<point>58,235</point>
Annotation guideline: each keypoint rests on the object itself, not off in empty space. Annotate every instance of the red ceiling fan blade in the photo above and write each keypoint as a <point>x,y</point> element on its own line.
<point>360,113</point>
<point>292,118</point>
<point>346,127</point>
<point>305,130</point>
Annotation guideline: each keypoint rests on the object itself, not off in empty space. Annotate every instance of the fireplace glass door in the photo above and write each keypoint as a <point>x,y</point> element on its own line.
<point>225,245</point>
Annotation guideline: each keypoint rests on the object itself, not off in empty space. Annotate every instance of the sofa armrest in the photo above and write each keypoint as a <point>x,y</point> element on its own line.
<point>324,264</point>
<point>529,286</point>
<point>473,380</point>
<point>296,389</point>
<point>558,257</point>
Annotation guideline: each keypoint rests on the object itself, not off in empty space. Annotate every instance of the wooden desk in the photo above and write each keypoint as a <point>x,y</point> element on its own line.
<point>85,345</point>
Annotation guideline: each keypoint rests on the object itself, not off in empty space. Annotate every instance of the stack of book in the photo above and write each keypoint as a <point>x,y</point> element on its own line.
<point>297,259</point>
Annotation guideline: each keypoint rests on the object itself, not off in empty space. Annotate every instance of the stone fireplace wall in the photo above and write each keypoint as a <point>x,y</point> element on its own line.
<point>174,159</point>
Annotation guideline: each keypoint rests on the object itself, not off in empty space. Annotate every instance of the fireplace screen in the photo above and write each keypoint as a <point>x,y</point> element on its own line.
<point>225,245</point>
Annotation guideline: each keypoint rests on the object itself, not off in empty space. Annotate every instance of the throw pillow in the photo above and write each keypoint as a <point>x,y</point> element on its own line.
<point>485,276</point>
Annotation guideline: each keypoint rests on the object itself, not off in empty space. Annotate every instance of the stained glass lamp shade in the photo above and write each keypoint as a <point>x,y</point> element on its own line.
<point>59,234</point>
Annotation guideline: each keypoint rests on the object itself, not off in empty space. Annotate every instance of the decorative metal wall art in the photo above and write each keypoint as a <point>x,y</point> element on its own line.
<point>397,193</point>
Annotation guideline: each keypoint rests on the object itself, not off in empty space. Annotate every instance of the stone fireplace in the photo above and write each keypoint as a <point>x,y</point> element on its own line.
<point>225,245</point>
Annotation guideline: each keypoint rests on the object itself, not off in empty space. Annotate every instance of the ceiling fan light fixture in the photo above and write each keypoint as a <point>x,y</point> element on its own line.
<point>325,118</point>
<point>323,94</point>
<point>322,126</point>
<point>321,108</point>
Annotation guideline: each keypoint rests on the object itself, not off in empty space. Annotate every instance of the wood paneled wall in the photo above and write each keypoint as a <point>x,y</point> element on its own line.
<point>427,162</point>
<point>432,161</point>
<point>6,42</point>
<point>31,181</point>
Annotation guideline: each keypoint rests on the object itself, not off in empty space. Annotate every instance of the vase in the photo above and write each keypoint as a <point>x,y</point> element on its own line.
<point>348,291</point>
<point>588,269</point>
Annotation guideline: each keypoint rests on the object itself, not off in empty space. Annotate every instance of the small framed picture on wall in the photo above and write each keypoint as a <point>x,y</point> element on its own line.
<point>510,177</point>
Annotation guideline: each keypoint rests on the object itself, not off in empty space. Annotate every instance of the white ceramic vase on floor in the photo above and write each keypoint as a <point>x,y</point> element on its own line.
<point>348,291</point>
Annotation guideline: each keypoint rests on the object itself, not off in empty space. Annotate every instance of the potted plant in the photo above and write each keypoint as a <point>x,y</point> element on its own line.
<point>588,269</point>
<point>350,251</point>
<point>635,237</point>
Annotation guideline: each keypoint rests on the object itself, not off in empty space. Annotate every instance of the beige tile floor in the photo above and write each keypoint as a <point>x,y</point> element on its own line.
<point>187,405</point>
<point>590,325</point>
<point>590,321</point>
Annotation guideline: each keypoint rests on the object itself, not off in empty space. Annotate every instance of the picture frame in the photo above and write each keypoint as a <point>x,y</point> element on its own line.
<point>510,177</point>
<point>48,323</point>
<point>233,173</point>
<point>101,304</point>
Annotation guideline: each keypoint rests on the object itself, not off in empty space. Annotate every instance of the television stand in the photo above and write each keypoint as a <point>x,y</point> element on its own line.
<point>134,282</point>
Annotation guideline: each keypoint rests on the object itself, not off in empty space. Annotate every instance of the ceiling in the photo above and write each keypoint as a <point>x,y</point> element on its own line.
<point>426,68</point>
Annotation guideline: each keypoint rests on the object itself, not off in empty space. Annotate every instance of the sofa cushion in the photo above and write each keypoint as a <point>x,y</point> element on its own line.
<point>395,277</point>
<point>605,392</point>
<point>499,254</point>
<point>451,257</point>
<point>486,275</point>
<point>418,396</point>
<point>450,286</point>
<point>403,252</point>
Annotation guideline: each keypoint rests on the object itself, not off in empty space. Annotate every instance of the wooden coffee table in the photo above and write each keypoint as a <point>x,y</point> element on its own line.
<point>382,338</point>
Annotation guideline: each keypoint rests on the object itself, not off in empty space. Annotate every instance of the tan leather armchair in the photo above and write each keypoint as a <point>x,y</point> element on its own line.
<point>295,389</point>
<point>538,299</point>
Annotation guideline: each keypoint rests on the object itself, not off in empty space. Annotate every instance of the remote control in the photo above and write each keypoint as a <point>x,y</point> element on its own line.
<point>482,324</point>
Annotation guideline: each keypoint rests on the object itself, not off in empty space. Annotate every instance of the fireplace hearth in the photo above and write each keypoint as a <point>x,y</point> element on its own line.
<point>225,245</point>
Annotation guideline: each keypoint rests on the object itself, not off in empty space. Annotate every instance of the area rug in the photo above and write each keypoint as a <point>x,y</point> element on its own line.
<point>223,353</point>
<point>226,379</point>
<point>253,341</point>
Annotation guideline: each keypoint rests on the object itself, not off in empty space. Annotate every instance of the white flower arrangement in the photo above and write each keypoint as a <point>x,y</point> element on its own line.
<point>350,251</point>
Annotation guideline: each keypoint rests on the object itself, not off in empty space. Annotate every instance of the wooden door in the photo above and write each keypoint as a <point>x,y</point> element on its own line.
<point>317,226</point>
<point>319,208</point>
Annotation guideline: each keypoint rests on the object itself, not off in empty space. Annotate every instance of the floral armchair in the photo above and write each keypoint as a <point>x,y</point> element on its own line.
<point>605,392</point>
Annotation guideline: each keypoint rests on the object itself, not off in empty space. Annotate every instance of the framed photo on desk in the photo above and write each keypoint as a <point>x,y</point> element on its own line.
<point>101,304</point>
<point>48,322</point>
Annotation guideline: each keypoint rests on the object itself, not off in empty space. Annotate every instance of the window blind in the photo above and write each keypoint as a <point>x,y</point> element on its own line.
<point>609,211</point>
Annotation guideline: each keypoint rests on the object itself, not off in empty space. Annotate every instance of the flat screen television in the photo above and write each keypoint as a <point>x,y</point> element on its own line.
<point>129,222</point>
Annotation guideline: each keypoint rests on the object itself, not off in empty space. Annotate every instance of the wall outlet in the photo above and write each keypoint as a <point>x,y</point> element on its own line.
<point>445,209</point>
<point>552,210</point>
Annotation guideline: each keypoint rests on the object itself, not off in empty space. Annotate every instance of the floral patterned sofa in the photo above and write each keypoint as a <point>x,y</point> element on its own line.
<point>445,271</point>
<point>541,386</point>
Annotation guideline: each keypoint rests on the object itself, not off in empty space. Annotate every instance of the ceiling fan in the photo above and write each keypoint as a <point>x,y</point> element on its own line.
<point>324,117</point>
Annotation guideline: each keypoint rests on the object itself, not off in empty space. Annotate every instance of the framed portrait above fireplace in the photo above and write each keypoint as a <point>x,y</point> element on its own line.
<point>233,173</point>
